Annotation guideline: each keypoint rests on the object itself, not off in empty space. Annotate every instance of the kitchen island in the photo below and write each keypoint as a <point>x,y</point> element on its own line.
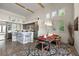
<point>22,37</point>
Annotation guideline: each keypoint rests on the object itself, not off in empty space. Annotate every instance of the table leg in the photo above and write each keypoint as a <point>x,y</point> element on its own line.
<point>58,43</point>
<point>42,46</point>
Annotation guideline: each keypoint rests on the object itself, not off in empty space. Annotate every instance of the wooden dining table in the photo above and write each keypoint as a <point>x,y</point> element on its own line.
<point>49,39</point>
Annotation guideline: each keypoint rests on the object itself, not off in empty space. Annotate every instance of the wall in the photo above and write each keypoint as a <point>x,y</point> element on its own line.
<point>76,33</point>
<point>76,9</point>
<point>7,16</point>
<point>76,36</point>
<point>42,15</point>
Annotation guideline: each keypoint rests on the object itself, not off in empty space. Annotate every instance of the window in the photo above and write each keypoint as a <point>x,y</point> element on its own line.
<point>54,13</point>
<point>4,28</point>
<point>0,28</point>
<point>61,25</point>
<point>61,12</point>
<point>48,23</point>
<point>48,15</point>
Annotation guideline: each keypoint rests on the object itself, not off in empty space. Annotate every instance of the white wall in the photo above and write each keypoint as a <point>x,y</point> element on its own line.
<point>76,36</point>
<point>76,33</point>
<point>76,10</point>
<point>69,11</point>
<point>7,16</point>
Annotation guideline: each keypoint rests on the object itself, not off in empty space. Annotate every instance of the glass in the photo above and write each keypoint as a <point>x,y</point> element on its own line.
<point>4,28</point>
<point>61,12</point>
<point>48,16</point>
<point>54,13</point>
<point>0,28</point>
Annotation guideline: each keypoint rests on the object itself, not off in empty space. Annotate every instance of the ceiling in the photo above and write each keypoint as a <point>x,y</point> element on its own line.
<point>24,9</point>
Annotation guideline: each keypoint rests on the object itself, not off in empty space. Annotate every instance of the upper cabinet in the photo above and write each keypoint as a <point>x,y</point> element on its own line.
<point>29,27</point>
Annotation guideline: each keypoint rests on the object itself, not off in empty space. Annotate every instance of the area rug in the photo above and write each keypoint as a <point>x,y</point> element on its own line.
<point>54,51</point>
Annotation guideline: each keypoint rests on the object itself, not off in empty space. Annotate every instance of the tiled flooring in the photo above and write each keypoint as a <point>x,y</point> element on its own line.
<point>16,49</point>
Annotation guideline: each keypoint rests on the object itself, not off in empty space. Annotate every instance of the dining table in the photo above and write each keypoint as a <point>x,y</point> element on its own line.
<point>54,37</point>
